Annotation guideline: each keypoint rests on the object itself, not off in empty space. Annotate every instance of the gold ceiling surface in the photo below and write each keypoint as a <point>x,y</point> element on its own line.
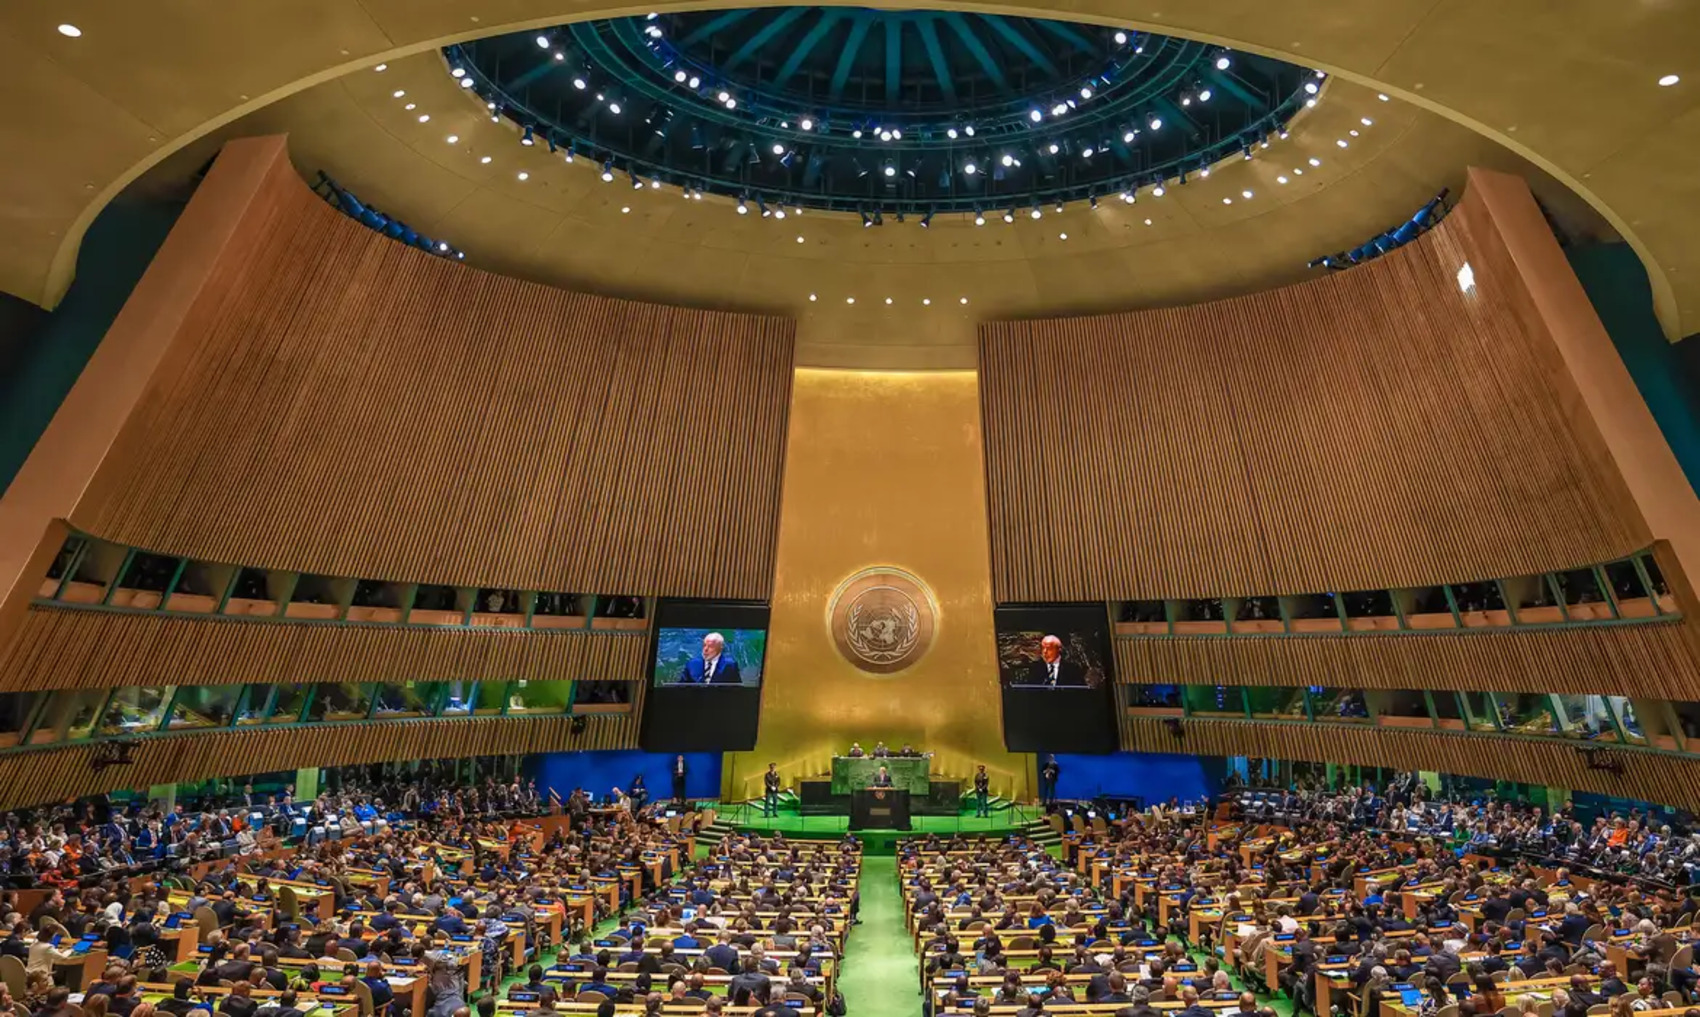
<point>1570,86</point>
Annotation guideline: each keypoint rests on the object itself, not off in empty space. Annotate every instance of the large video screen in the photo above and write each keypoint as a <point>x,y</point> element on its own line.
<point>1053,647</point>
<point>1056,671</point>
<point>706,664</point>
<point>716,657</point>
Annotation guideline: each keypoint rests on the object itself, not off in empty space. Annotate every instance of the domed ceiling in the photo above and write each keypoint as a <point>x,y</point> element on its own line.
<point>881,112</point>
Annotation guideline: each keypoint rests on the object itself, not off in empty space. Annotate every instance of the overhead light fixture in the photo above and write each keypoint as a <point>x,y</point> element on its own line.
<point>1059,109</point>
<point>1383,95</point>
<point>1664,82</point>
<point>637,184</point>
<point>458,72</point>
<point>1086,91</point>
<point>1054,149</point>
<point>1466,278</point>
<point>485,160</point>
<point>424,118</point>
<point>927,220</point>
<point>890,170</point>
<point>1204,95</point>
<point>1281,179</point>
<point>608,171</point>
<point>1128,136</point>
<point>695,81</point>
<point>867,220</point>
<point>778,149</point>
<point>1245,194</point>
<point>743,207</point>
<point>897,132</point>
<point>1009,216</point>
<point>1121,38</point>
<point>1312,87</point>
<point>1158,191</point>
<point>381,68</point>
<point>1035,115</point>
<point>1314,161</point>
<point>579,82</point>
<point>543,42</point>
<point>1037,212</point>
<point>1222,62</point>
<point>979,218</point>
<point>969,168</point>
<point>614,108</point>
<point>1129,196</point>
<point>1366,121</point>
<point>950,132</point>
<point>1154,122</point>
<point>1007,160</point>
<point>451,139</point>
<point>807,124</point>
<point>968,130</point>
<point>527,139</point>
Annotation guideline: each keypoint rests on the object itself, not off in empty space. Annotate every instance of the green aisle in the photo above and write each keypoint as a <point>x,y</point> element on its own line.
<point>880,977</point>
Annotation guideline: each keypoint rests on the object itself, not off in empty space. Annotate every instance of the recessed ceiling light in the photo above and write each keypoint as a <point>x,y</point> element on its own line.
<point>381,68</point>
<point>813,298</point>
<point>1148,222</point>
<point>964,300</point>
<point>1281,180</point>
<point>543,42</point>
<point>73,32</point>
<point>485,160</point>
<point>1314,161</point>
<point>926,301</point>
<point>1666,81</point>
<point>1383,97</point>
<point>1158,191</point>
<point>451,139</point>
<point>888,300</point>
<point>424,118</point>
<point>1342,142</point>
<point>799,239</point>
<point>1354,132</point>
<point>458,72</point>
<point>523,175</point>
<point>849,300</point>
<point>1245,194</point>
<point>1366,121</point>
<point>1227,201</point>
<point>625,209</point>
<point>411,106</point>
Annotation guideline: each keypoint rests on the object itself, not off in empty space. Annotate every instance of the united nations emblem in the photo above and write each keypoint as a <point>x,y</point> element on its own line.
<point>882,620</point>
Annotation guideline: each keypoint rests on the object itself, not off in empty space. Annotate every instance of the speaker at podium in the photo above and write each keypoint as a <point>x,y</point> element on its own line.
<point>879,808</point>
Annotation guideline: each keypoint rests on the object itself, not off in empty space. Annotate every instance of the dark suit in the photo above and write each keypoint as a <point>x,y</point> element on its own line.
<point>679,771</point>
<point>1069,675</point>
<point>725,671</point>
<point>881,780</point>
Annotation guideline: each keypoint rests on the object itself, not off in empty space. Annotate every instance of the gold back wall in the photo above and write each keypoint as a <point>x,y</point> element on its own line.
<point>882,469</point>
<point>338,402</point>
<point>1364,430</point>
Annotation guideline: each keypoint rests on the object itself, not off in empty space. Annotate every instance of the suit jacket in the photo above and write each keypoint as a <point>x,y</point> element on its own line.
<point>1069,674</point>
<point>880,780</point>
<point>725,672</point>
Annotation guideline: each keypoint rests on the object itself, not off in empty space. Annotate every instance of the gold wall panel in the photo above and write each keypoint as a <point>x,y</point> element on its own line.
<point>882,469</point>
<point>1649,776</point>
<point>62,773</point>
<point>61,648</point>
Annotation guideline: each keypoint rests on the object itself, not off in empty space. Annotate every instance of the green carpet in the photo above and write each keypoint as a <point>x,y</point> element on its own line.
<point>880,977</point>
<point>746,816</point>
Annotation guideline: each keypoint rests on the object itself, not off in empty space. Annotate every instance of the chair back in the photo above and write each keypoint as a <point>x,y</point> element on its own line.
<point>207,919</point>
<point>363,993</point>
<point>12,971</point>
<point>290,903</point>
<point>592,996</point>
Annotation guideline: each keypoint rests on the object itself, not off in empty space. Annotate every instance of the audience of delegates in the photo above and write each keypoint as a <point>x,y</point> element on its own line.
<point>461,875</point>
<point>1186,908</point>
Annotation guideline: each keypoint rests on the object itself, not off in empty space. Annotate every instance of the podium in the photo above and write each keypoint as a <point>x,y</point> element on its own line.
<point>879,808</point>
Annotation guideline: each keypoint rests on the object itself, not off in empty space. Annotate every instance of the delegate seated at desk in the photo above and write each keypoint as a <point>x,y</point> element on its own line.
<point>856,750</point>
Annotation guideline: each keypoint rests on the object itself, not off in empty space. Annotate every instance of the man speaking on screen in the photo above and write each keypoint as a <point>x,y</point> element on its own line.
<point>1051,670</point>
<point>713,667</point>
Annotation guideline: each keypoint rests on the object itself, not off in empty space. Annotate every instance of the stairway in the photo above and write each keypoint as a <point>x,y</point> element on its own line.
<point>1041,833</point>
<point>710,836</point>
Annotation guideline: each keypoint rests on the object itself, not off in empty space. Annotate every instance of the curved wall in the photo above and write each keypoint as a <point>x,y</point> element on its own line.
<point>1373,428</point>
<point>337,402</point>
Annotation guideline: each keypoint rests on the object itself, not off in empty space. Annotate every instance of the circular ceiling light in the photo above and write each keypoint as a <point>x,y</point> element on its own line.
<point>1222,62</point>
<point>1121,38</point>
<point>73,32</point>
<point>543,42</point>
<point>1665,82</point>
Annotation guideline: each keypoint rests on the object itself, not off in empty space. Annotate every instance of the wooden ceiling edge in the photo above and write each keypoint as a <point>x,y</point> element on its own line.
<point>62,268</point>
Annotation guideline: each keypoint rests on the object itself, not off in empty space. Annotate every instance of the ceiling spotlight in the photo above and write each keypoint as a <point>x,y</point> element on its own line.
<point>1128,136</point>
<point>885,135</point>
<point>807,124</point>
<point>679,76</point>
<point>458,72</point>
<point>1204,172</point>
<point>1204,95</point>
<point>424,118</point>
<point>1129,196</point>
<point>1092,200</point>
<point>1366,121</point>
<point>897,132</point>
<point>970,169</point>
<point>812,298</point>
<point>1148,222</point>
<point>1086,153</point>
<point>799,239</point>
<point>1037,212</point>
<point>1227,201</point>
<point>614,108</point>
<point>964,300</point>
<point>655,184</point>
<point>1383,95</point>
<point>637,185</point>
<point>526,138</point>
<point>950,132</point>
<point>442,245</point>
<point>743,207</point>
<point>695,81</point>
<point>485,161</point>
<point>75,31</point>
<point>1245,194</point>
<point>579,83</point>
<point>969,130</point>
<point>608,171</point>
<point>890,170</point>
<point>1121,38</point>
<point>543,42</point>
<point>451,139</point>
<point>857,133</point>
<point>411,106</point>
<point>778,149</point>
<point>1085,92</point>
<point>979,218</point>
<point>1158,191</point>
<point>1310,103</point>
<point>1222,62</point>
<point>1154,122</point>
<point>398,93</point>
<point>1059,109</point>
<point>1342,142</point>
<point>867,220</point>
<point>1035,115</point>
<point>926,301</point>
<point>731,104</point>
<point>779,213</point>
<point>724,96</point>
<point>1186,100</point>
<point>1312,87</point>
<point>1664,82</point>
<point>849,300</point>
<point>1353,132</point>
<point>888,300</point>
<point>1054,148</point>
<point>466,82</point>
<point>524,176</point>
<point>625,209</point>
<point>1314,161</point>
<point>1009,216</point>
<point>1007,160</point>
<point>1281,179</point>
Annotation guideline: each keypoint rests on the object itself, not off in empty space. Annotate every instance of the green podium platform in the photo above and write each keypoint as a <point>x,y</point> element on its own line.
<point>911,773</point>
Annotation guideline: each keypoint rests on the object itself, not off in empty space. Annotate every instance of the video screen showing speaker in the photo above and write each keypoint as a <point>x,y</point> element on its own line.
<point>706,659</point>
<point>714,657</point>
<point>1056,669</point>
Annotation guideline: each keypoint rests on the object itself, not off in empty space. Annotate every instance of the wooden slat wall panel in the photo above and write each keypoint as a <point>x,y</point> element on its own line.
<point>49,775</point>
<point>1649,776</point>
<point>1654,660</point>
<point>1368,429</point>
<point>71,649</point>
<point>340,403</point>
